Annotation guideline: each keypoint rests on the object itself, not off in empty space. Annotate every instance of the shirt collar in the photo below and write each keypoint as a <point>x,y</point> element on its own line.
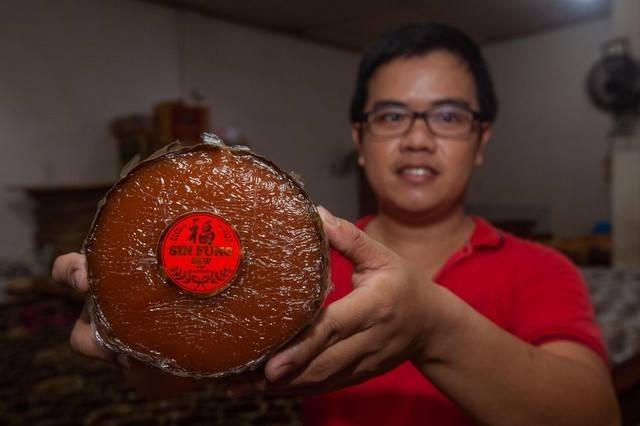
<point>485,235</point>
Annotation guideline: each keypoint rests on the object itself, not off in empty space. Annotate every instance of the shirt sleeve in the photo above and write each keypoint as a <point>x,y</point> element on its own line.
<point>551,302</point>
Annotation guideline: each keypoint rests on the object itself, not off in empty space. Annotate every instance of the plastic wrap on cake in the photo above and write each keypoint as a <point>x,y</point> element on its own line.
<point>204,260</point>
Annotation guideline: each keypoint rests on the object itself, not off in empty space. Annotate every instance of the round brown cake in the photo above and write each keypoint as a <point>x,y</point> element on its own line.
<point>203,260</point>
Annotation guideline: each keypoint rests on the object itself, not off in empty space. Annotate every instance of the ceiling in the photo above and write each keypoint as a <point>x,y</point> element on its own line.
<point>352,24</point>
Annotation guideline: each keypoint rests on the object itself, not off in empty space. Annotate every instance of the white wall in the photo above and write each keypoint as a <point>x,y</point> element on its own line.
<point>546,156</point>
<point>288,96</point>
<point>68,67</point>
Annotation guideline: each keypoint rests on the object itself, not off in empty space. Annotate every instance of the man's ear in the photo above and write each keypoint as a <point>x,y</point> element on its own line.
<point>356,136</point>
<point>485,135</point>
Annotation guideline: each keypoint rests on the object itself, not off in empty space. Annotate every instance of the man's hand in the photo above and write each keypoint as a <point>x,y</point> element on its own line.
<point>379,325</point>
<point>71,269</point>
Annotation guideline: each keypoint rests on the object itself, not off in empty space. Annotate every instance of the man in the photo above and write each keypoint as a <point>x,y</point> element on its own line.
<point>437,317</point>
<point>452,321</point>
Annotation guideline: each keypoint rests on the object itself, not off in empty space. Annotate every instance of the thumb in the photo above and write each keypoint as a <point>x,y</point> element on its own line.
<point>363,251</point>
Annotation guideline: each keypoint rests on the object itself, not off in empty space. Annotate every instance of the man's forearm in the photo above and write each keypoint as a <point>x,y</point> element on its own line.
<point>500,380</point>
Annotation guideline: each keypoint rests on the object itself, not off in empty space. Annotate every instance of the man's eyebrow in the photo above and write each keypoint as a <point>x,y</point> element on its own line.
<point>459,102</point>
<point>388,103</point>
<point>452,102</point>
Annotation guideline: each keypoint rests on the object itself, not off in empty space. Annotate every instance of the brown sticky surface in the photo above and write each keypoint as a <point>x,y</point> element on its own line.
<point>279,287</point>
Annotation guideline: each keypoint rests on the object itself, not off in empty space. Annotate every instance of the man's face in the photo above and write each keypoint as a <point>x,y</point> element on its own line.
<point>419,172</point>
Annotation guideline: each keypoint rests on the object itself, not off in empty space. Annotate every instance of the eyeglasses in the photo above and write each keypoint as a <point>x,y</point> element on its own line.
<point>447,121</point>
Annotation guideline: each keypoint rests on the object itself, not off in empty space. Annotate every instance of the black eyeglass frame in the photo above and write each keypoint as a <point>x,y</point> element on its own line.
<point>476,116</point>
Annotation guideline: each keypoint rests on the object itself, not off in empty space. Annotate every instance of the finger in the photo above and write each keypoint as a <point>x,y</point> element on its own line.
<point>332,360</point>
<point>343,364</point>
<point>337,321</point>
<point>71,269</point>
<point>355,245</point>
<point>83,341</point>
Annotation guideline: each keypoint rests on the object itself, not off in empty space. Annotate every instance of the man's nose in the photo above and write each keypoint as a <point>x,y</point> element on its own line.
<point>419,137</point>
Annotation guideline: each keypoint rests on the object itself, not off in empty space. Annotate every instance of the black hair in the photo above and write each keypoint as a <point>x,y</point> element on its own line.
<point>417,40</point>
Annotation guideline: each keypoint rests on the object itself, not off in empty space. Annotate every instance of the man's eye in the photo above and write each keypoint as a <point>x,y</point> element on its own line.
<point>449,117</point>
<point>390,117</point>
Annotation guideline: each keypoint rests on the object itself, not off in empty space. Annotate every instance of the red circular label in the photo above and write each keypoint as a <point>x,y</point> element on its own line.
<point>200,252</point>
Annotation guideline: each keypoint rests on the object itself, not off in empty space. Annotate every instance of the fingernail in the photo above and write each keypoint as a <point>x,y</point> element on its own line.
<point>123,361</point>
<point>327,217</point>
<point>74,281</point>
<point>279,372</point>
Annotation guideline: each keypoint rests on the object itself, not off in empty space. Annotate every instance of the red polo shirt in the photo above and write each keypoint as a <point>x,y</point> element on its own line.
<point>525,288</point>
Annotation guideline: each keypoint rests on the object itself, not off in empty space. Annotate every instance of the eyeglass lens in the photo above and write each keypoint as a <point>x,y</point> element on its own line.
<point>446,120</point>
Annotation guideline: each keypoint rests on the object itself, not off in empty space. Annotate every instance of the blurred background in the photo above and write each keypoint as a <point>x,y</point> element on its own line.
<point>85,85</point>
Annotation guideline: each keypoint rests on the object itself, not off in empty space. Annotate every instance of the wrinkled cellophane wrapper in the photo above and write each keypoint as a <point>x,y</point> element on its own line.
<point>280,286</point>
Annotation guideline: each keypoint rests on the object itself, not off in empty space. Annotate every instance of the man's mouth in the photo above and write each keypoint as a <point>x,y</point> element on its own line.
<point>416,171</point>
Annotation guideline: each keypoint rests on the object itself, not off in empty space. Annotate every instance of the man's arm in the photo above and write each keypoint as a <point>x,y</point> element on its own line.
<point>393,315</point>
<point>499,379</point>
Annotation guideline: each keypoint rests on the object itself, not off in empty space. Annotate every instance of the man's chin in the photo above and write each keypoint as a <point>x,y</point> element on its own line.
<point>419,211</point>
